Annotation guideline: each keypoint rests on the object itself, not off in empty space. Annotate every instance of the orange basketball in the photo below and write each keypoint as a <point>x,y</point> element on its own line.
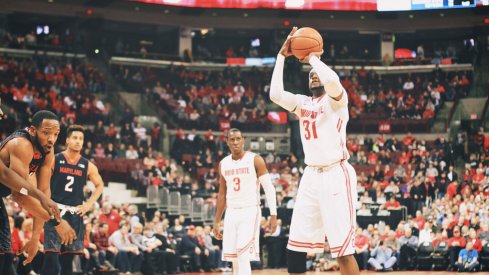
<point>304,41</point>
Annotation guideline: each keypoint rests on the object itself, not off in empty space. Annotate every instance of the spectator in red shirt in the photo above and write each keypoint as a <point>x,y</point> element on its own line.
<point>110,217</point>
<point>407,140</point>
<point>455,244</point>
<point>428,114</point>
<point>452,190</point>
<point>373,158</point>
<point>419,220</point>
<point>404,158</point>
<point>400,230</point>
<point>106,251</point>
<point>392,204</point>
<point>439,238</point>
<point>361,249</point>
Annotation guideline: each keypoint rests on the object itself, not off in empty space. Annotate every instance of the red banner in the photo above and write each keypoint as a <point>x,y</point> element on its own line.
<point>224,124</point>
<point>236,60</point>
<point>346,5</point>
<point>385,127</point>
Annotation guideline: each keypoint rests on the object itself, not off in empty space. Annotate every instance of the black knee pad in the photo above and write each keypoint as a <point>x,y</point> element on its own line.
<point>296,261</point>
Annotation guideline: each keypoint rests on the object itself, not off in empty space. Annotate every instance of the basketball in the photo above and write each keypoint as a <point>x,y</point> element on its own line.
<point>304,41</point>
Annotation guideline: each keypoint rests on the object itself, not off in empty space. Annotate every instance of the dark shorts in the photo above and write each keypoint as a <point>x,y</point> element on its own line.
<point>52,241</point>
<point>5,240</point>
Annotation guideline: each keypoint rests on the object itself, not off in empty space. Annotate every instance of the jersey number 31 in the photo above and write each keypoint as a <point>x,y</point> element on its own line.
<point>308,128</point>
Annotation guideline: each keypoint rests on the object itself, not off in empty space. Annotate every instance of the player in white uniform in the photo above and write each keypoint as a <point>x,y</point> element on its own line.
<point>325,203</point>
<point>240,176</point>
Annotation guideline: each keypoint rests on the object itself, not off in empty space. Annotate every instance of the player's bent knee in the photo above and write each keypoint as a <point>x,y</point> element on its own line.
<point>296,261</point>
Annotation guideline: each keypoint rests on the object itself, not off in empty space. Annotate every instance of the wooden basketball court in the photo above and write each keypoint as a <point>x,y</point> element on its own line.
<point>284,271</point>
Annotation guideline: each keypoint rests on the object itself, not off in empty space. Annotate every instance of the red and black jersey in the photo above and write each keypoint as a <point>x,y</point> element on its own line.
<point>37,158</point>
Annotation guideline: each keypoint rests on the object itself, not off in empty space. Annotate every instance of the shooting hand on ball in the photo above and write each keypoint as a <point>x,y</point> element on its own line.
<point>308,57</point>
<point>285,50</point>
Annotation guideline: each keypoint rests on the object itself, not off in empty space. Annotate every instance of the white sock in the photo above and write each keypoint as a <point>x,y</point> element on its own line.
<point>244,264</point>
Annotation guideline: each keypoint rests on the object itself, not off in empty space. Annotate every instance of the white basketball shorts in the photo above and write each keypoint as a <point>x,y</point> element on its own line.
<point>325,207</point>
<point>241,233</point>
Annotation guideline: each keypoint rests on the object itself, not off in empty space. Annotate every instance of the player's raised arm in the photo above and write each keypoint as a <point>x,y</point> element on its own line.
<point>96,179</point>
<point>270,193</point>
<point>329,78</point>
<point>278,95</point>
<point>221,205</point>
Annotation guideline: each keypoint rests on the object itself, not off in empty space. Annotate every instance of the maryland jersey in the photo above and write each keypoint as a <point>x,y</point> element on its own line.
<point>243,189</point>
<point>37,158</point>
<point>68,180</point>
<point>323,130</point>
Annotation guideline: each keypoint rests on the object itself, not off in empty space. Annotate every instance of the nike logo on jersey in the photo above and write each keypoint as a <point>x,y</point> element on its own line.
<point>81,165</point>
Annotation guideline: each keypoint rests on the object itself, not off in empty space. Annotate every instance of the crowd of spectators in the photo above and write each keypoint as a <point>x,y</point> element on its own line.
<point>65,86</point>
<point>400,96</point>
<point>204,99</point>
<point>43,38</point>
<point>230,97</point>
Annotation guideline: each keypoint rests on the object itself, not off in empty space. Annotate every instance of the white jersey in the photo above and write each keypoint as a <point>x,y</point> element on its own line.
<point>243,188</point>
<point>323,130</point>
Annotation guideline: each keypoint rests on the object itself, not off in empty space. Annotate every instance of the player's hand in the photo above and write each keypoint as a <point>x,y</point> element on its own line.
<point>285,50</point>
<point>217,231</point>
<point>83,209</point>
<point>273,224</point>
<point>50,206</point>
<point>307,58</point>
<point>66,233</point>
<point>86,253</point>
<point>30,248</point>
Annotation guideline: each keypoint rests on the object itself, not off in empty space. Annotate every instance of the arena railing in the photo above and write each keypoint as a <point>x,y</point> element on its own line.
<point>174,206</point>
<point>164,199</point>
<point>130,61</point>
<point>185,205</point>
<point>24,53</point>
<point>197,210</point>
<point>153,200</point>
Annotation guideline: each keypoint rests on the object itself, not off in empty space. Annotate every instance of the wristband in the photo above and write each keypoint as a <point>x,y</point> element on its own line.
<point>24,191</point>
<point>54,222</point>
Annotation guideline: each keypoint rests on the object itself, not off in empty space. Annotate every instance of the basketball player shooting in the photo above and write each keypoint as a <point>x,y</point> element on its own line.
<point>70,173</point>
<point>327,193</point>
<point>240,176</point>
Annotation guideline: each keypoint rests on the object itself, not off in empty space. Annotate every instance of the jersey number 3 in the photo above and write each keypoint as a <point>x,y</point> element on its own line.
<point>308,128</point>
<point>68,186</point>
<point>237,185</point>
